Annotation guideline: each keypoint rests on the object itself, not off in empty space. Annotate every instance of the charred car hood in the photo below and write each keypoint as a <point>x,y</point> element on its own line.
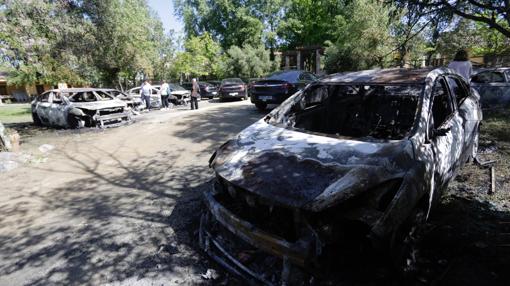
<point>96,105</point>
<point>308,171</point>
<point>180,92</point>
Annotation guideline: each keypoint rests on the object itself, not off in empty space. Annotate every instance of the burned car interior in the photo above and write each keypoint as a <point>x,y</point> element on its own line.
<point>375,111</point>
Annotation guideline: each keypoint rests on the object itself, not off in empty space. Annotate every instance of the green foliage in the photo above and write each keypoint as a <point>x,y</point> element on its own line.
<point>201,57</point>
<point>310,22</point>
<point>362,38</point>
<point>248,62</point>
<point>39,42</point>
<point>81,42</point>
<point>232,22</point>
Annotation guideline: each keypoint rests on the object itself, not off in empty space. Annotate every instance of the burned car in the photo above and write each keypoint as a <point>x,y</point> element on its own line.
<point>341,167</point>
<point>79,107</point>
<point>135,103</point>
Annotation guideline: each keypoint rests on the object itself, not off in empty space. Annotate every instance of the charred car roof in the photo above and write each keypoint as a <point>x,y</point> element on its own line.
<point>393,76</point>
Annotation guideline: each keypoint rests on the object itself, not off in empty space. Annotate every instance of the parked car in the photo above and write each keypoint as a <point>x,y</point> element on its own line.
<point>232,88</point>
<point>216,83</point>
<point>79,107</point>
<point>207,90</point>
<point>134,103</point>
<point>155,96</point>
<point>343,167</point>
<point>493,85</point>
<point>278,86</point>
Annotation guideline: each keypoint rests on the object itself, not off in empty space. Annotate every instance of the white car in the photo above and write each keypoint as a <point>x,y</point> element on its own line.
<point>155,96</point>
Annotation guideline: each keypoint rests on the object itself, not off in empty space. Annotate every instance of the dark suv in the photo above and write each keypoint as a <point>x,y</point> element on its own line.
<point>278,86</point>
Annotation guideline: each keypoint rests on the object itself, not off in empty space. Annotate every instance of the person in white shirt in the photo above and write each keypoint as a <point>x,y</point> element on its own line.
<point>165,92</point>
<point>145,93</point>
<point>462,65</point>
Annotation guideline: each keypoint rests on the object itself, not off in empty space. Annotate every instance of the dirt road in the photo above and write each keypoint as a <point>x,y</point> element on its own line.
<point>114,206</point>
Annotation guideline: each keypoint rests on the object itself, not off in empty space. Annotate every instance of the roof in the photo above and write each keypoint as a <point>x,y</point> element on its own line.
<point>77,89</point>
<point>415,76</point>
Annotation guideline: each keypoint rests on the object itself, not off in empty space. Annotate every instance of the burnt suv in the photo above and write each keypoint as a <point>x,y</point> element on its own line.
<point>343,167</point>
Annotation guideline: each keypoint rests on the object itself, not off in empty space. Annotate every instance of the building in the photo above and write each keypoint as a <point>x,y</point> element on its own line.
<point>303,58</point>
<point>18,93</point>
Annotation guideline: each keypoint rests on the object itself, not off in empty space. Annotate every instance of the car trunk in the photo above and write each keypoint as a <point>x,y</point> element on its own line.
<point>270,86</point>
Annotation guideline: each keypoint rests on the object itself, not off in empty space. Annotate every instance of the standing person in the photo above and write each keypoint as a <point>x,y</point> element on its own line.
<point>165,92</point>
<point>145,93</point>
<point>462,65</point>
<point>195,91</point>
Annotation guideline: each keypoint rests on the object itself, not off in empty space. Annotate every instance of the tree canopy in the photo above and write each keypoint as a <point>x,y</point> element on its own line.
<point>117,42</point>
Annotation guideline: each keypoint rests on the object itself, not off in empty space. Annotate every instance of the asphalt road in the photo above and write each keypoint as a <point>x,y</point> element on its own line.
<point>118,206</point>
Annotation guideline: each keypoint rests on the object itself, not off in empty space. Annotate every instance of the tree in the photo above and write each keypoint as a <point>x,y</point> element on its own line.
<point>494,13</point>
<point>127,35</point>
<point>248,62</point>
<point>45,42</point>
<point>231,22</point>
<point>310,22</point>
<point>201,57</point>
<point>362,39</point>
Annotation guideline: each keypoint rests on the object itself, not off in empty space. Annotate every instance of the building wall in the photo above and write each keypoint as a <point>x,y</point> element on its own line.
<point>22,93</point>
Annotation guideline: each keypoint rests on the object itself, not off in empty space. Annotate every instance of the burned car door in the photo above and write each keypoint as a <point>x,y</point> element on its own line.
<point>43,107</point>
<point>470,113</point>
<point>58,110</point>
<point>445,133</point>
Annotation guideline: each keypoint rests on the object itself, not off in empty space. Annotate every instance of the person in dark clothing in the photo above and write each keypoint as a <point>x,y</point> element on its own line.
<point>195,92</point>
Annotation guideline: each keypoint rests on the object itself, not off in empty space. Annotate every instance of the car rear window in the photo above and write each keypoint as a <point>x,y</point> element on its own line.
<point>232,81</point>
<point>286,76</point>
<point>368,112</point>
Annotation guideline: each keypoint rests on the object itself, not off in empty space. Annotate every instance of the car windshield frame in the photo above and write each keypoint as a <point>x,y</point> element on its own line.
<point>287,113</point>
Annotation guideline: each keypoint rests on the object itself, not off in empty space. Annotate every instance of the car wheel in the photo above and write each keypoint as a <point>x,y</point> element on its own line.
<point>36,119</point>
<point>75,122</point>
<point>261,106</point>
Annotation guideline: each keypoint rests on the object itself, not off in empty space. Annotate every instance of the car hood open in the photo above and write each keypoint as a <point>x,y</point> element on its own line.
<point>308,171</point>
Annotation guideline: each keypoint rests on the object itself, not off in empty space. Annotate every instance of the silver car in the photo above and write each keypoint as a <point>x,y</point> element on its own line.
<point>79,107</point>
<point>493,85</point>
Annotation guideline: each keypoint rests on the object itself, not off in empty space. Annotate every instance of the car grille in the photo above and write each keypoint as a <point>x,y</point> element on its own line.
<point>108,111</point>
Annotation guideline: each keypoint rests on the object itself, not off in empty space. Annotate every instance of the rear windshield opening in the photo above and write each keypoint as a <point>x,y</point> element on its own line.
<point>371,111</point>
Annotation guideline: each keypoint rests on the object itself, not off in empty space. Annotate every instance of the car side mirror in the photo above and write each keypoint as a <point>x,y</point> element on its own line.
<point>441,131</point>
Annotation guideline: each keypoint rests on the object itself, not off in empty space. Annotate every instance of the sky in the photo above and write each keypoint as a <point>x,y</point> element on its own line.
<point>165,9</point>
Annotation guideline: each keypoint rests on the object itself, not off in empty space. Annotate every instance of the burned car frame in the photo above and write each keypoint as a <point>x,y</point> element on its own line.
<point>341,166</point>
<point>79,107</point>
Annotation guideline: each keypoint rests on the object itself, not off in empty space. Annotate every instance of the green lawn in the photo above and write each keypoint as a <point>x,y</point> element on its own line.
<point>15,113</point>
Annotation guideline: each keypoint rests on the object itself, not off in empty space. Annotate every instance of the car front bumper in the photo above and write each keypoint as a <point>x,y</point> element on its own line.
<point>220,230</point>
